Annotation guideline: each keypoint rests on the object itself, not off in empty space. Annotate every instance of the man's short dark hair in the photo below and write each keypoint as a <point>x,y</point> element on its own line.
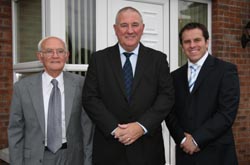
<point>194,25</point>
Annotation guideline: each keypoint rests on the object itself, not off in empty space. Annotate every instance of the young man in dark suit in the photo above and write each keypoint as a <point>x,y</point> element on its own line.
<point>128,92</point>
<point>206,102</point>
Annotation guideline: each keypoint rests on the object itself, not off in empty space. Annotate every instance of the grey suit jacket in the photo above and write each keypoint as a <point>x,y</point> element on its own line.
<point>26,130</point>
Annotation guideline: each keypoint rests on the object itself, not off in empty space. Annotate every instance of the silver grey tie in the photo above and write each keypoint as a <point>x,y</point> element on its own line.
<point>54,126</point>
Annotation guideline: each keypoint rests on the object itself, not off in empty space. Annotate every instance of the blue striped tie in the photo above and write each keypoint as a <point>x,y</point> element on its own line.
<point>128,75</point>
<point>192,78</point>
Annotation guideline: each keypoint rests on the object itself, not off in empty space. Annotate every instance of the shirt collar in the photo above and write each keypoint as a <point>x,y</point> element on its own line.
<point>200,62</point>
<point>48,79</point>
<point>135,51</point>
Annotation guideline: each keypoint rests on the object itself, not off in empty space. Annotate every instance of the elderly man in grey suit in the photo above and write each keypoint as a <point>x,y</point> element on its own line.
<point>47,122</point>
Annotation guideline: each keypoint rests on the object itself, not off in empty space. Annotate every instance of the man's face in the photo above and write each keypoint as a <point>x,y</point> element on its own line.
<point>53,56</point>
<point>129,29</point>
<point>194,44</point>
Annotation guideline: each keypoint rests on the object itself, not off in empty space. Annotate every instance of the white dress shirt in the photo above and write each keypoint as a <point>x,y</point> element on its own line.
<point>198,63</point>
<point>47,88</point>
<point>133,58</point>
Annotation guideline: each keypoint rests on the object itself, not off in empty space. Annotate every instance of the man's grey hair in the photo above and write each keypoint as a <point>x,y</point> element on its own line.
<point>39,46</point>
<point>125,9</point>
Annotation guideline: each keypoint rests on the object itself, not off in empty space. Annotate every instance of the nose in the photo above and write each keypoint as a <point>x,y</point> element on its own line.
<point>192,44</point>
<point>55,53</point>
<point>130,29</point>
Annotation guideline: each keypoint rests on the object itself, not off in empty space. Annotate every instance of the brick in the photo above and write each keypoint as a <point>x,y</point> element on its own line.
<point>229,18</point>
<point>6,73</point>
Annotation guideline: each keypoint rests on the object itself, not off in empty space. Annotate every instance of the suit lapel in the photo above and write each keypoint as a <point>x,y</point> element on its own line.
<point>206,68</point>
<point>36,94</point>
<point>184,78</point>
<point>69,93</point>
<point>114,57</point>
<point>142,62</point>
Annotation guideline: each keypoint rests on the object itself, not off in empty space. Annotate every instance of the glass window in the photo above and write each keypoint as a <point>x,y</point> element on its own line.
<point>191,12</point>
<point>28,29</point>
<point>80,30</point>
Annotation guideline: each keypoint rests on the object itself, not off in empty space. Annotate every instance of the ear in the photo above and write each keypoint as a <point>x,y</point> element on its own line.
<point>67,56</point>
<point>115,28</point>
<point>207,43</point>
<point>39,56</point>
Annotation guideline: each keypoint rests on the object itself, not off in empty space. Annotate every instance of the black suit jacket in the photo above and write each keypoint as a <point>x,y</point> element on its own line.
<point>207,113</point>
<point>105,101</point>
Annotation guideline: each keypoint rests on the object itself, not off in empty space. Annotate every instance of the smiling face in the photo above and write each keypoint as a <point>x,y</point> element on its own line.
<point>53,55</point>
<point>129,29</point>
<point>194,44</point>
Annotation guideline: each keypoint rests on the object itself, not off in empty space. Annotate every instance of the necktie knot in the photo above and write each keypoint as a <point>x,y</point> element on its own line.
<point>54,82</point>
<point>127,54</point>
<point>193,68</point>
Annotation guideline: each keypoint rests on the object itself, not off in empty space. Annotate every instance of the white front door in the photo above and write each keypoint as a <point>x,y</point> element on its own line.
<point>155,15</point>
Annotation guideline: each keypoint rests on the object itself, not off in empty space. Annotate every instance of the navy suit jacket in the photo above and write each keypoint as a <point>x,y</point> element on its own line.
<point>207,113</point>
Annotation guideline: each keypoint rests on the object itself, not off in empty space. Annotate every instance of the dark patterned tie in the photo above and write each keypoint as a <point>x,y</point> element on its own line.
<point>54,126</point>
<point>128,75</point>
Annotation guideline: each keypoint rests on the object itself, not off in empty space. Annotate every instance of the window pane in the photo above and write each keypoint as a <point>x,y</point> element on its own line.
<point>80,34</point>
<point>191,12</point>
<point>28,28</point>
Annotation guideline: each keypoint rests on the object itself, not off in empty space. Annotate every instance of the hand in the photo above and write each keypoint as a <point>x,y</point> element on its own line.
<point>128,133</point>
<point>189,146</point>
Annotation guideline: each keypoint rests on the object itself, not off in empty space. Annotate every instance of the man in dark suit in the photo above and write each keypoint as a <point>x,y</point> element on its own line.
<point>207,97</point>
<point>128,122</point>
<point>30,108</point>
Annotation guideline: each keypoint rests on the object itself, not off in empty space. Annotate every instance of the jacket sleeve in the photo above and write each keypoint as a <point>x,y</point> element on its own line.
<point>223,118</point>
<point>88,133</point>
<point>93,103</point>
<point>16,129</point>
<point>164,99</point>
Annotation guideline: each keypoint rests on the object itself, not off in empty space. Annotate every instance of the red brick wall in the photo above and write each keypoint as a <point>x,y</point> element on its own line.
<point>228,19</point>
<point>6,75</point>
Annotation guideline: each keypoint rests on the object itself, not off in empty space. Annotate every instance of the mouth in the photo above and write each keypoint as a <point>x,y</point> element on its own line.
<point>55,62</point>
<point>130,37</point>
<point>193,51</point>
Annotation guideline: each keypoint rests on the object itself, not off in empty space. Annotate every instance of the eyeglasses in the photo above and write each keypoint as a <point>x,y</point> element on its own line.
<point>50,52</point>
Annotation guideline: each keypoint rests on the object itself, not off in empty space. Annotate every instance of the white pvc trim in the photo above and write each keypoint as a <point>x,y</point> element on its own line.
<point>36,66</point>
